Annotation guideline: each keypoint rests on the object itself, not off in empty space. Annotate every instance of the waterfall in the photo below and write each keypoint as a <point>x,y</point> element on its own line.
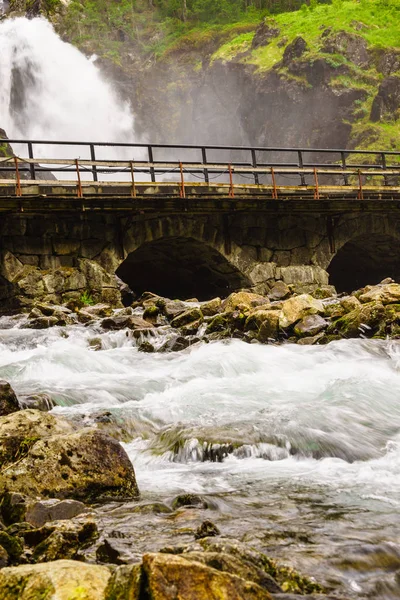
<point>50,90</point>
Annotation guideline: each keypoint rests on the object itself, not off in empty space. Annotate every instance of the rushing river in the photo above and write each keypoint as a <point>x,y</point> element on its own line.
<point>295,450</point>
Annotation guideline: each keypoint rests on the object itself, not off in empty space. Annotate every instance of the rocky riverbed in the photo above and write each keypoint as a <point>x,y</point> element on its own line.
<point>177,448</point>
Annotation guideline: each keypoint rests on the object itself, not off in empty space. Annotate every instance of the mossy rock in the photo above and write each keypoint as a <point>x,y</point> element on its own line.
<point>59,580</point>
<point>85,465</point>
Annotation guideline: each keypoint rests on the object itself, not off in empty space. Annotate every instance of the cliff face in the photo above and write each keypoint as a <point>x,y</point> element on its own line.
<point>327,77</point>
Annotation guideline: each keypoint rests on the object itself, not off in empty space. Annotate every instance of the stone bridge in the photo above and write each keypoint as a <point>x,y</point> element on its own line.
<point>60,239</point>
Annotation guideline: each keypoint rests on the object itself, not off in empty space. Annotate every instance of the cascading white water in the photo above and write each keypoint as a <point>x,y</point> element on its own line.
<point>51,91</point>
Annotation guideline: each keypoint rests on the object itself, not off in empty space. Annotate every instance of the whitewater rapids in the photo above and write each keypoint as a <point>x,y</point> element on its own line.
<point>309,433</point>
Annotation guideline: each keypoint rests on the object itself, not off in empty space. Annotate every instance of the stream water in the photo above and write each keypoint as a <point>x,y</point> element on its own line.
<point>295,450</point>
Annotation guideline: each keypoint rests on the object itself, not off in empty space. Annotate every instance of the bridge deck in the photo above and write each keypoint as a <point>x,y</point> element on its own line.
<point>334,183</point>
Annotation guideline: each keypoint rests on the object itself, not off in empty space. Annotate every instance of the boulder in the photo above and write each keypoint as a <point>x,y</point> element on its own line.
<point>20,430</point>
<point>349,303</point>
<point>310,326</point>
<point>256,318</point>
<point>386,294</point>
<point>269,328</point>
<point>296,308</point>
<point>188,316</point>
<point>59,580</point>
<point>173,308</point>
<point>8,400</point>
<point>85,465</point>
<point>294,50</point>
<point>353,47</point>
<point>126,321</point>
<point>60,539</point>
<point>365,320</point>
<point>169,577</point>
<point>280,291</point>
<point>212,307</point>
<point>265,32</point>
<point>243,300</point>
<point>228,563</point>
<point>42,402</point>
<point>16,508</point>
<point>386,104</point>
<point>287,578</point>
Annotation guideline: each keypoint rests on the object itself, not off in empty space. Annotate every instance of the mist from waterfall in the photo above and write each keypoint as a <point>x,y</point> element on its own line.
<point>51,91</point>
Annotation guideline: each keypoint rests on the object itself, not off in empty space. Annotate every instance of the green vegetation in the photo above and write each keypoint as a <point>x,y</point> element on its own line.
<point>86,299</point>
<point>198,32</point>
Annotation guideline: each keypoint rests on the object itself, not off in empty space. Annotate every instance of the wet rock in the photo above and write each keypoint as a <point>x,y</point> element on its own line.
<point>310,325</point>
<point>146,347</point>
<point>212,307</point>
<point>125,583</point>
<point>269,328</point>
<point>228,563</point>
<point>8,400</point>
<point>98,310</point>
<point>175,344</point>
<point>280,291</point>
<point>349,303</point>
<point>173,308</point>
<point>85,465</point>
<point>106,553</point>
<point>386,104</point>
<point>42,323</point>
<point>287,578</point>
<point>294,50</point>
<point>311,340</point>
<point>12,545</point>
<point>95,344</point>
<point>386,294</point>
<point>243,300</point>
<point>125,321</point>
<point>265,33</point>
<point>59,580</point>
<point>169,577</point>
<point>40,512</point>
<point>60,539</point>
<point>323,292</point>
<point>151,313</point>
<point>188,500</point>
<point>42,402</point>
<point>296,308</point>
<point>256,318</point>
<point>192,315</point>
<point>20,430</point>
<point>364,320</point>
<point>206,529</point>
<point>4,558</point>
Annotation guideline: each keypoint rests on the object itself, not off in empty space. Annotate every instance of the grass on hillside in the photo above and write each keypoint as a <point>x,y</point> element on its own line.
<point>377,21</point>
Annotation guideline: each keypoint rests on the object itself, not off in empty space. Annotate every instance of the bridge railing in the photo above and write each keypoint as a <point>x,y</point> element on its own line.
<point>232,169</point>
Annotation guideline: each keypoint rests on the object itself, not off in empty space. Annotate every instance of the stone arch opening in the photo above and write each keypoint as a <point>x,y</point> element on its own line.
<point>367,259</point>
<point>177,267</point>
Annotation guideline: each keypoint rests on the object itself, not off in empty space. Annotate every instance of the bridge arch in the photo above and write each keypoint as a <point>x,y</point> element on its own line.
<point>365,259</point>
<point>180,267</point>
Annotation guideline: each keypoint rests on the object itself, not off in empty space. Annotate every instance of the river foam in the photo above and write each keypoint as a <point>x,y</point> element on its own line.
<point>282,440</point>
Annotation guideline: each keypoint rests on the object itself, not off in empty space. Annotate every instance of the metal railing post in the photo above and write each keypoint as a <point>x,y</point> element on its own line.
<point>93,158</point>
<point>344,166</point>
<point>301,166</point>
<point>254,162</point>
<point>31,165</point>
<point>204,159</point>
<point>384,167</point>
<point>151,160</point>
